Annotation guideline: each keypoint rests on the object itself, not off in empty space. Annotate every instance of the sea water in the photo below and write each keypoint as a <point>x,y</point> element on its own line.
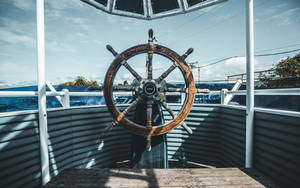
<point>31,103</point>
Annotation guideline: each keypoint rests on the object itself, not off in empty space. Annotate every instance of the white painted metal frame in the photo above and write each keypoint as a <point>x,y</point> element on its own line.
<point>147,5</point>
<point>59,98</point>
<point>41,93</point>
<point>229,96</point>
<point>226,97</point>
<point>64,100</point>
<point>288,91</point>
<point>115,11</point>
<point>250,84</point>
<point>43,127</point>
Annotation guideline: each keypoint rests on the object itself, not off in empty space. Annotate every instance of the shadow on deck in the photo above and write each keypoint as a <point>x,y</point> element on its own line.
<point>196,177</point>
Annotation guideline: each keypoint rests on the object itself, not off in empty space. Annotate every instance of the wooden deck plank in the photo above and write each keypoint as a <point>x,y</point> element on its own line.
<point>192,177</point>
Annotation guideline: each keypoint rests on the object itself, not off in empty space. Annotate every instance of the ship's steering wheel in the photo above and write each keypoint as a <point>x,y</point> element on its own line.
<point>149,89</point>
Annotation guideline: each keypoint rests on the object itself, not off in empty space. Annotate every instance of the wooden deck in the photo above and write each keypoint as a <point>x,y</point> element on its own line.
<point>193,177</point>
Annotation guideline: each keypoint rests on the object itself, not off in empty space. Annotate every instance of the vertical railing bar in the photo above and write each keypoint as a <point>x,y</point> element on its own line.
<point>250,84</point>
<point>43,129</point>
<point>66,98</point>
<point>223,94</point>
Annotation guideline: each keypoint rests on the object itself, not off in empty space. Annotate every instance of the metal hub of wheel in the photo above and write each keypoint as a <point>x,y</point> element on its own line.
<point>149,90</point>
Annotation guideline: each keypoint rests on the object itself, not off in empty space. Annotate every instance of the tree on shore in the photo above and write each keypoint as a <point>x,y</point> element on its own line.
<point>80,81</point>
<point>286,74</point>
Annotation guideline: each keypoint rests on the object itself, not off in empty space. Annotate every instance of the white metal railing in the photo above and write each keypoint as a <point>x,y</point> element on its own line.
<point>288,91</point>
<point>226,96</point>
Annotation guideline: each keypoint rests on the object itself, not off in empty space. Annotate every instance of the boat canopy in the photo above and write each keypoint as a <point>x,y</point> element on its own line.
<point>150,9</point>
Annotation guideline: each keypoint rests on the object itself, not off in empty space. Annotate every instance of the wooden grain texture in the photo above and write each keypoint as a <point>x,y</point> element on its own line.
<point>174,57</point>
<point>195,177</point>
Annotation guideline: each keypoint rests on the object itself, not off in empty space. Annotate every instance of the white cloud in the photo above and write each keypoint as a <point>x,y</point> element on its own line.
<point>17,26</point>
<point>224,17</point>
<point>11,67</point>
<point>99,42</point>
<point>111,19</point>
<point>15,32</point>
<point>57,46</point>
<point>285,18</point>
<point>54,8</point>
<point>273,9</point>
<point>24,4</point>
<point>77,20</point>
<point>222,70</point>
<point>127,28</point>
<point>64,4</point>
<point>237,61</point>
<point>81,35</point>
<point>5,54</point>
<point>80,22</point>
<point>230,67</point>
<point>52,14</point>
<point>126,76</point>
<point>16,38</point>
<point>279,14</point>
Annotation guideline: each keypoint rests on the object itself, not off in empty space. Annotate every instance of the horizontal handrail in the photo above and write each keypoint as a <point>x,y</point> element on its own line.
<point>18,93</point>
<point>288,91</point>
<point>51,93</point>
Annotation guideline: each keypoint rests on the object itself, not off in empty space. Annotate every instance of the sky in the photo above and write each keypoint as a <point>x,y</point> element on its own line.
<point>76,35</point>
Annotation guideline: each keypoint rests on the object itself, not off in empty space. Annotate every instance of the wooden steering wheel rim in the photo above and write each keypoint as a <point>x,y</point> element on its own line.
<point>141,129</point>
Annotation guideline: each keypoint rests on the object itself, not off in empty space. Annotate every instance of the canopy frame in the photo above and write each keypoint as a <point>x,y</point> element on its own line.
<point>183,7</point>
<point>42,108</point>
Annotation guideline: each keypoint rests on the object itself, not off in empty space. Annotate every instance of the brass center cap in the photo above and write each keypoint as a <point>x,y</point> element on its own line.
<point>149,88</point>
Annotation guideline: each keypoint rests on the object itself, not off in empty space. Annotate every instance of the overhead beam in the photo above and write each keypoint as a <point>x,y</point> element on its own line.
<point>148,11</point>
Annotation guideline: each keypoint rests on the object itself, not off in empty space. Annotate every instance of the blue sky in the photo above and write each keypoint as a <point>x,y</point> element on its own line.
<point>76,36</point>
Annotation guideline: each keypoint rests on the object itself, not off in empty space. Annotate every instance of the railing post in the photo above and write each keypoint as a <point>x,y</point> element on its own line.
<point>223,95</point>
<point>43,129</point>
<point>236,87</point>
<point>250,84</point>
<point>66,98</point>
<point>59,98</point>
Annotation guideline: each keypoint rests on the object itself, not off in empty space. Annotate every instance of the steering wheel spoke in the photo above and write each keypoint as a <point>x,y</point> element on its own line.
<point>149,90</point>
<point>148,143</point>
<point>123,114</point>
<point>122,88</point>
<point>166,73</point>
<point>111,126</point>
<point>149,55</point>
<point>149,64</point>
<point>149,113</point>
<point>131,70</point>
<point>132,105</point>
<point>180,90</point>
<point>124,63</point>
<point>174,115</point>
<point>185,90</point>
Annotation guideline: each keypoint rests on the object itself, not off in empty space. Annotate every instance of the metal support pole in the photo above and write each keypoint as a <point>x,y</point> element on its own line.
<point>43,132</point>
<point>223,95</point>
<point>250,84</point>
<point>66,98</point>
